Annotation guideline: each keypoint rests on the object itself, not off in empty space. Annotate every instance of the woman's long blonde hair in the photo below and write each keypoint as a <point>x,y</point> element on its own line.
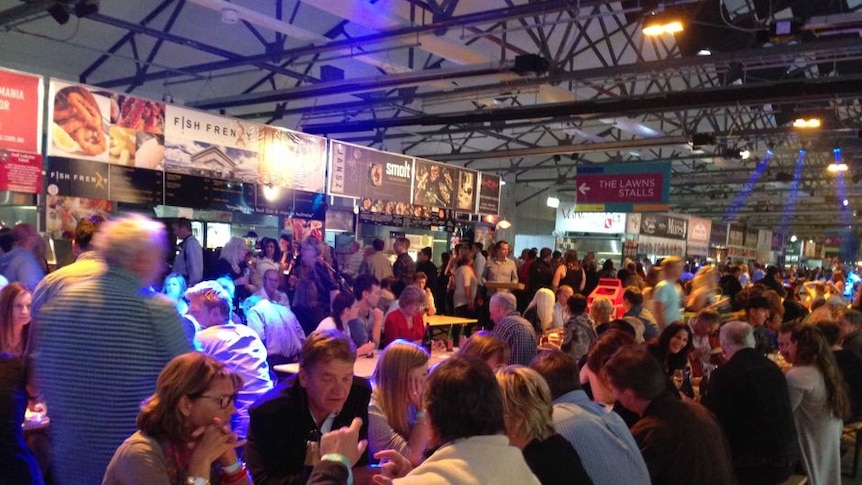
<point>527,396</point>
<point>390,382</point>
<point>543,301</point>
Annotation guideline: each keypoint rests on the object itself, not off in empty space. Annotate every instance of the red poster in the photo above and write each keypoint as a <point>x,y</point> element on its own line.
<point>20,102</point>
<point>20,172</point>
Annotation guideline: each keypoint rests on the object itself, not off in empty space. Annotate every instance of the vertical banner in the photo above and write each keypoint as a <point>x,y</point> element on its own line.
<point>489,194</point>
<point>698,236</point>
<point>467,179</point>
<point>20,111</point>
<point>291,159</point>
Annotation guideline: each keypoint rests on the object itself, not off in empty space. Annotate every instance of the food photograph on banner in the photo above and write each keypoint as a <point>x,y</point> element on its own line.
<point>20,111</point>
<point>62,213</point>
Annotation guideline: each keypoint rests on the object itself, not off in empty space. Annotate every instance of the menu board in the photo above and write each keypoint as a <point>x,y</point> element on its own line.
<point>369,174</point>
<point>309,205</point>
<point>77,178</point>
<point>434,184</point>
<point>20,172</point>
<point>274,201</point>
<point>136,185</point>
<point>185,190</point>
<point>422,217</point>
<point>20,111</point>
<point>229,195</point>
<point>489,194</point>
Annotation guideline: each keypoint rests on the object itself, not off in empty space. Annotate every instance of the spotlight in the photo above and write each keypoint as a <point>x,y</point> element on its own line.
<point>806,123</point>
<point>660,24</point>
<point>553,202</point>
<point>744,154</point>
<point>837,167</point>
<point>704,52</point>
<point>846,202</point>
<point>793,238</point>
<point>504,224</point>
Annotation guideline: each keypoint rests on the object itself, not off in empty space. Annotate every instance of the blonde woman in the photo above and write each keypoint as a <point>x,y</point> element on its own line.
<point>527,411</point>
<point>540,311</point>
<point>396,420</point>
<point>704,289</point>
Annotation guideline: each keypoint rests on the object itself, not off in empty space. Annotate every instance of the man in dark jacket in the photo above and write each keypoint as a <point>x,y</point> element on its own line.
<point>750,399</point>
<point>541,273</point>
<point>287,423</point>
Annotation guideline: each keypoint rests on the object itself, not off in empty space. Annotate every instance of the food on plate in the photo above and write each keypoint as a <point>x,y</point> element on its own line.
<point>77,113</point>
<point>141,115</point>
<point>150,154</point>
<point>122,147</point>
<point>63,140</point>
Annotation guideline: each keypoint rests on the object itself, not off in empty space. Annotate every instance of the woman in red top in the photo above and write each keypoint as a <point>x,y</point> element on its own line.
<point>406,321</point>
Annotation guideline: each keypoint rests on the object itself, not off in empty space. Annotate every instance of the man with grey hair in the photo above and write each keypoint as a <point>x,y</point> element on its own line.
<point>750,399</point>
<point>100,346</point>
<point>511,328</point>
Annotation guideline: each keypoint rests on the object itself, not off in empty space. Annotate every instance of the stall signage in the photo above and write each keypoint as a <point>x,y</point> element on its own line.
<point>20,172</point>
<point>309,205</point>
<point>136,185</point>
<point>466,192</point>
<point>291,159</point>
<point>777,241</point>
<point>660,225</point>
<point>640,187</point>
<point>718,235</point>
<point>20,111</point>
<point>489,194</point>
<point>369,174</point>
<point>633,223</point>
<point>569,220</point>
<point>751,235</point>
<point>77,178</point>
<point>435,184</point>
<point>699,229</point>
<point>735,235</point>
<point>764,240</point>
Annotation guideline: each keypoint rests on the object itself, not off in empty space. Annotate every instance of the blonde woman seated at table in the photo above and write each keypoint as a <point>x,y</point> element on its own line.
<point>396,420</point>
<point>184,431</point>
<point>344,309</point>
<point>540,311</point>
<point>406,322</point>
<point>528,413</point>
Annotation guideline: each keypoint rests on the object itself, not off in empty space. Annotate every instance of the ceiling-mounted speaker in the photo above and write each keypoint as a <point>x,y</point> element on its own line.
<point>530,64</point>
<point>59,13</point>
<point>86,8</point>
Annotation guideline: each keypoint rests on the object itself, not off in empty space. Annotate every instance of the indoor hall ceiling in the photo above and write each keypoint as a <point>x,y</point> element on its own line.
<point>439,79</point>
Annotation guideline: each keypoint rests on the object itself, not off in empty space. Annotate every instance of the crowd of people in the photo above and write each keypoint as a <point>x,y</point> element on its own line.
<point>164,375</point>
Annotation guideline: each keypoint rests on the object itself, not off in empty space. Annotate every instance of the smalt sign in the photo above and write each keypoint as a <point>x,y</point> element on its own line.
<point>642,187</point>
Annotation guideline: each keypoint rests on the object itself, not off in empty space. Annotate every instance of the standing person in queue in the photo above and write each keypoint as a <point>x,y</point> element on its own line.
<point>570,273</point>
<point>232,264</point>
<point>314,284</point>
<point>404,267</point>
<point>190,260</point>
<point>819,399</point>
<point>105,336</point>
<point>287,422</point>
<point>667,305</point>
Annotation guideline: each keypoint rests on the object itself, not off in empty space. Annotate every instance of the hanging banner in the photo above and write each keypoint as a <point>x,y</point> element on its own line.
<point>659,225</point>
<point>20,111</point>
<point>374,176</point>
<point>434,184</point>
<point>718,235</point>
<point>466,200</point>
<point>751,235</point>
<point>489,194</point>
<point>735,235</point>
<point>291,159</point>
<point>698,236</point>
<point>569,220</point>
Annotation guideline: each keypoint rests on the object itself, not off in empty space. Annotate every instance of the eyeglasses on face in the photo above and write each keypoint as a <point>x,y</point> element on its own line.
<point>224,402</point>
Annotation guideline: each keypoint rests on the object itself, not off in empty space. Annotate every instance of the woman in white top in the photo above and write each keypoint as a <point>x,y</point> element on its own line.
<point>270,258</point>
<point>396,420</point>
<point>818,396</point>
<point>540,311</point>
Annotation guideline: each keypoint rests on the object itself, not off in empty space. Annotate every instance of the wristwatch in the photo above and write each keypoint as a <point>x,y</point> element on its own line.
<point>197,481</point>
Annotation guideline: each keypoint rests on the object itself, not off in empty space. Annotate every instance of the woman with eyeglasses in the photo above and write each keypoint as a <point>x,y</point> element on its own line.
<point>184,435</point>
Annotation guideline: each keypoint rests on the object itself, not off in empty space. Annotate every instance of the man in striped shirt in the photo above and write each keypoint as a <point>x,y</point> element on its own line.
<point>100,346</point>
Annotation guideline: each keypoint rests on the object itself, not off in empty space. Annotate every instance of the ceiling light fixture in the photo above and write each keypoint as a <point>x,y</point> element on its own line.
<point>660,24</point>
<point>745,154</point>
<point>504,224</point>
<point>806,123</point>
<point>838,165</point>
<point>793,238</point>
<point>553,202</point>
